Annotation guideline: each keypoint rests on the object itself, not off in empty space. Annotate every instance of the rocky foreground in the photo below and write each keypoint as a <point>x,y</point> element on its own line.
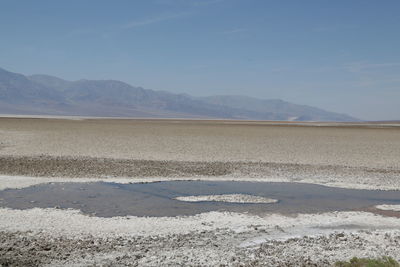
<point>212,248</point>
<point>38,237</point>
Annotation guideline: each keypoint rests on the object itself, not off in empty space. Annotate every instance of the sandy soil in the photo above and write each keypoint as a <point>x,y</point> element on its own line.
<point>36,151</point>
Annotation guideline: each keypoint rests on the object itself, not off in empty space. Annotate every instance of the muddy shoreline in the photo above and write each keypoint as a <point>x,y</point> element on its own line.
<point>152,170</point>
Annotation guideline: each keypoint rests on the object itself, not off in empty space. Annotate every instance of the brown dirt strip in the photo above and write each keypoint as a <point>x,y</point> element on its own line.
<point>47,166</point>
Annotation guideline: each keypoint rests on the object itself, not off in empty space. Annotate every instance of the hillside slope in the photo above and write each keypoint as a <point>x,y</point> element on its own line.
<point>48,95</point>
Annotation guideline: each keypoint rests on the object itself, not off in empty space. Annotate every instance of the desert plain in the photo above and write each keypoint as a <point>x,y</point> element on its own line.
<point>60,151</point>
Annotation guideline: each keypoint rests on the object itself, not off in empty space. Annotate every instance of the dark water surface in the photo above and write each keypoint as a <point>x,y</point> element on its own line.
<point>156,199</point>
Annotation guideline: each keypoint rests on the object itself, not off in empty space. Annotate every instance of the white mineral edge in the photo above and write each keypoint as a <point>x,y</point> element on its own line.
<point>52,222</point>
<point>388,207</point>
<point>231,198</point>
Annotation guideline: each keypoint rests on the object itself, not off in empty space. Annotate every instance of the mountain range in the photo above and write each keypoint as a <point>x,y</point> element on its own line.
<point>48,95</point>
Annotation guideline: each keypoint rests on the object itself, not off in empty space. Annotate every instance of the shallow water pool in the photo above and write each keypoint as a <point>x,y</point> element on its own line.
<point>157,199</point>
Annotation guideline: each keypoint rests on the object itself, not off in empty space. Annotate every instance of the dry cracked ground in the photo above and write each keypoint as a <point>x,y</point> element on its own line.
<point>53,150</point>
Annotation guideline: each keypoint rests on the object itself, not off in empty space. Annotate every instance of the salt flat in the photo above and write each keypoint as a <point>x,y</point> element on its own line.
<point>353,145</point>
<point>43,150</point>
<point>344,155</point>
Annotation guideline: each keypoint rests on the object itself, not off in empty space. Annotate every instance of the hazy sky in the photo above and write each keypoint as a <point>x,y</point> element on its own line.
<point>341,55</point>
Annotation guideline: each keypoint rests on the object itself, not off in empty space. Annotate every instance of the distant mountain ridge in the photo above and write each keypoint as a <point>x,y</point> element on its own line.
<point>48,95</point>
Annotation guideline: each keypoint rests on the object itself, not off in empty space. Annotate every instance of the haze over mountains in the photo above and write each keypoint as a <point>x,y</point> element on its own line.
<point>48,95</point>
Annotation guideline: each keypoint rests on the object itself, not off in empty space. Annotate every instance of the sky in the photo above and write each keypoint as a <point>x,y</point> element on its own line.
<point>341,55</point>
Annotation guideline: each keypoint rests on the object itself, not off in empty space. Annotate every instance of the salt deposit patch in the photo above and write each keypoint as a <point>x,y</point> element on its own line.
<point>388,207</point>
<point>231,198</point>
<point>53,222</point>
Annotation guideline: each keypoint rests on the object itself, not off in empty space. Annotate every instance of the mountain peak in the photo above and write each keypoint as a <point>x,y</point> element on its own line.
<point>45,94</point>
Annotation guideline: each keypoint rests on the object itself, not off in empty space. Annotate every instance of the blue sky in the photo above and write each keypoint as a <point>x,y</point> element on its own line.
<point>341,55</point>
